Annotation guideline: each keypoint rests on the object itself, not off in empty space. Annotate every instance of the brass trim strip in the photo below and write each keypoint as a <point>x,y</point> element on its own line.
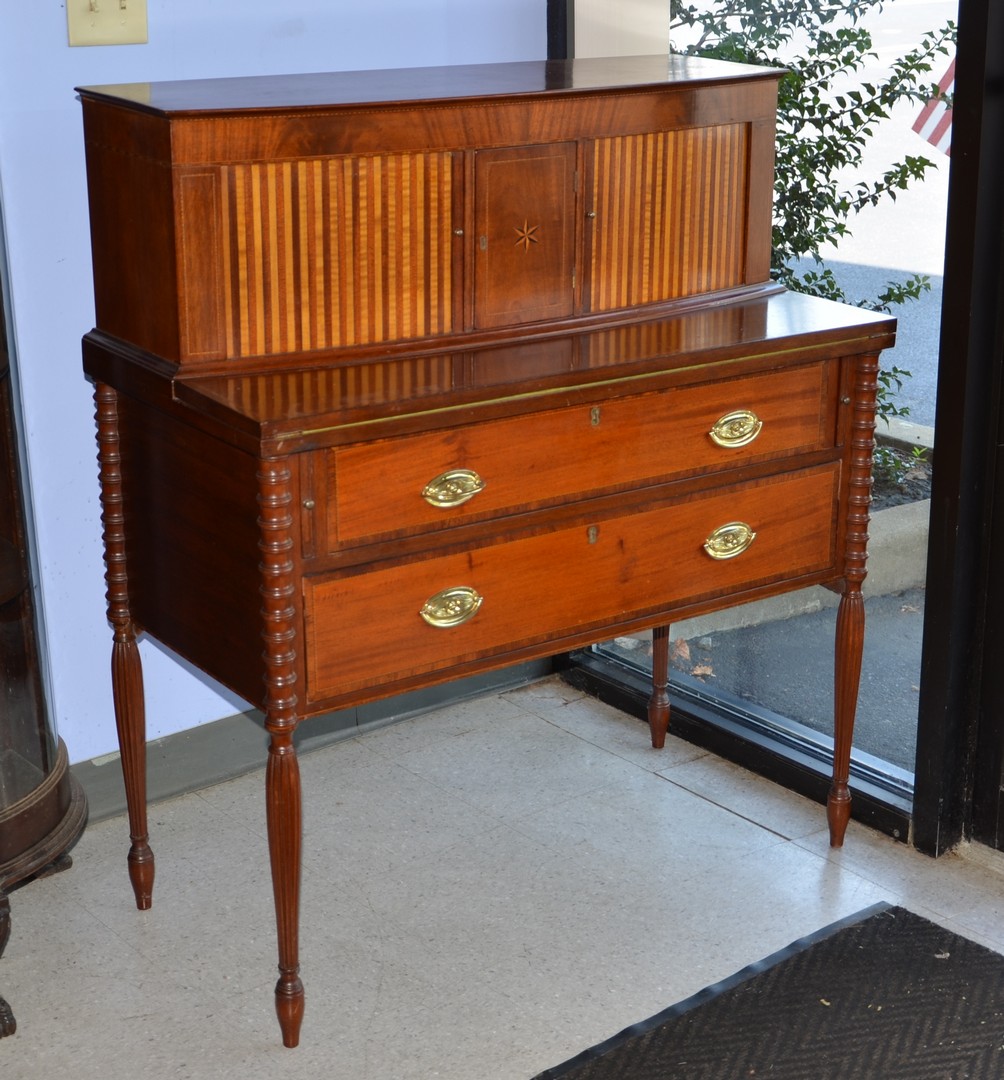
<point>553,391</point>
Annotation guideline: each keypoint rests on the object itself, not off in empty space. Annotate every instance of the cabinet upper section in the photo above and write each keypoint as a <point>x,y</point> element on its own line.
<point>278,216</point>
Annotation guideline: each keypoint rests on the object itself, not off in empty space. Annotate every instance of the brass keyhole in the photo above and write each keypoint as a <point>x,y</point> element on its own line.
<point>593,533</point>
<point>594,416</point>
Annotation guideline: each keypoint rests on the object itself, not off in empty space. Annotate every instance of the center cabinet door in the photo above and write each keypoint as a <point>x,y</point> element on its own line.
<point>524,209</point>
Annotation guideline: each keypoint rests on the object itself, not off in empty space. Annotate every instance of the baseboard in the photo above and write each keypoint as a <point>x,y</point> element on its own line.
<point>223,749</point>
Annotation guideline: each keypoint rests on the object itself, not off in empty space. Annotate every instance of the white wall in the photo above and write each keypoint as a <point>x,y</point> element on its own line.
<point>624,28</point>
<point>45,210</point>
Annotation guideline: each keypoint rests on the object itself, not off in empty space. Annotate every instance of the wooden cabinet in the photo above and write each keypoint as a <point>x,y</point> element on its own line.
<point>402,376</point>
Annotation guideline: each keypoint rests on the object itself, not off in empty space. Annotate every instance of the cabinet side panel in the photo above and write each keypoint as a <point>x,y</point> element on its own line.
<point>192,544</point>
<point>761,201</point>
<point>132,227</point>
<point>329,252</point>
<point>667,215</point>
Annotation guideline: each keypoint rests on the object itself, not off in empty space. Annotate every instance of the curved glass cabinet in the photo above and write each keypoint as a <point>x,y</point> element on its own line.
<point>42,808</point>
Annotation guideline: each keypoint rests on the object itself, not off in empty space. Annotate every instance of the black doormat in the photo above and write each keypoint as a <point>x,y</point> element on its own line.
<point>882,995</point>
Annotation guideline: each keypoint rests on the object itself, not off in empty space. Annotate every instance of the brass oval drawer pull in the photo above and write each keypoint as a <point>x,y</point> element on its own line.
<point>453,488</point>
<point>728,541</point>
<point>736,429</point>
<point>451,607</point>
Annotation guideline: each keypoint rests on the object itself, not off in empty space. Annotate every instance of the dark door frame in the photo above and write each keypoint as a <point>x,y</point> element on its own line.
<point>560,29</point>
<point>960,739</point>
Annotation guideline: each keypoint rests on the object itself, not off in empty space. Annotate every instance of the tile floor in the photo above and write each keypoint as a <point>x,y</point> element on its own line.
<point>488,889</point>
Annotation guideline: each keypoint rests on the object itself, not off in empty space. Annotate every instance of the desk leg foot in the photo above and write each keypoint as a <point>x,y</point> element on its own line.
<point>283,804</point>
<point>658,703</point>
<point>838,814</point>
<point>289,1001</point>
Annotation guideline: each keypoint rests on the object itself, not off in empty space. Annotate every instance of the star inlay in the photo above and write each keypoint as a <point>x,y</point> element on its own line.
<point>526,235</point>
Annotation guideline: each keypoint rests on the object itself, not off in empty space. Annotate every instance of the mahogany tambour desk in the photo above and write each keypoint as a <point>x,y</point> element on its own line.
<point>402,376</point>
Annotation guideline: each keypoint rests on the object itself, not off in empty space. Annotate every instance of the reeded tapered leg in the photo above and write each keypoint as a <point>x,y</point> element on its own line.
<point>851,613</point>
<point>283,804</point>
<point>847,676</point>
<point>127,671</point>
<point>658,703</point>
<point>282,778</point>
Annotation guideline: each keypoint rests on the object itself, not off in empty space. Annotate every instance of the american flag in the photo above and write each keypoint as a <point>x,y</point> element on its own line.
<point>935,120</point>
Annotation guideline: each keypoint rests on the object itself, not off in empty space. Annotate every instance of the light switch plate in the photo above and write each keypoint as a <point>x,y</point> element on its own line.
<point>106,22</point>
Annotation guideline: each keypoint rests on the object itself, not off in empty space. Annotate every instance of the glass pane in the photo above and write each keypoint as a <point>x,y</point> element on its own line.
<point>774,659</point>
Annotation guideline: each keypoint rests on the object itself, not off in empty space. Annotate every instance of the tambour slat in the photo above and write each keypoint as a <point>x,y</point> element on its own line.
<point>670,215</point>
<point>323,253</point>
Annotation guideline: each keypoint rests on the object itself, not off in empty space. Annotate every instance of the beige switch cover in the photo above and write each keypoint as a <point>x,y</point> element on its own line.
<point>106,22</point>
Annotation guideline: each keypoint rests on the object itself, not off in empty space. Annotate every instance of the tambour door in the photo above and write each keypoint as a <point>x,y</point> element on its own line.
<point>524,210</point>
<point>666,215</point>
<point>317,254</point>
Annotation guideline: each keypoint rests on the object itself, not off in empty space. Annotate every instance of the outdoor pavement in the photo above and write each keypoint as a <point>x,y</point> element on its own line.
<point>786,666</point>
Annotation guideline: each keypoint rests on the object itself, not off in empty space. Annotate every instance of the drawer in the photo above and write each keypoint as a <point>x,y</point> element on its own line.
<point>444,478</point>
<point>366,628</point>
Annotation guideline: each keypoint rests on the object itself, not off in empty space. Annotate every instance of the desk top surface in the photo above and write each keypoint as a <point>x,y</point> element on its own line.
<point>324,401</point>
<point>270,93</point>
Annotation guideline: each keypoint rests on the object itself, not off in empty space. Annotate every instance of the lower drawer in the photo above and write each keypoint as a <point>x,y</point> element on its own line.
<point>366,628</point>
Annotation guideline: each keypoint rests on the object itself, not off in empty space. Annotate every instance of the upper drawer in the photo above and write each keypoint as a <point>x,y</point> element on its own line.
<point>445,478</point>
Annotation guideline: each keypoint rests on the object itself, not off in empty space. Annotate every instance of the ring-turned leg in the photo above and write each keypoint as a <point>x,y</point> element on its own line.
<point>851,613</point>
<point>658,703</point>
<point>282,777</point>
<point>127,670</point>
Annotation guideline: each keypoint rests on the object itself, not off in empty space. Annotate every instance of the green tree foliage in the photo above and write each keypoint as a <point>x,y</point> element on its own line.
<point>826,116</point>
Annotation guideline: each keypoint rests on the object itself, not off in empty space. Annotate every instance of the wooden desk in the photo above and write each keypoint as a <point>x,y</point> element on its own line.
<point>414,375</point>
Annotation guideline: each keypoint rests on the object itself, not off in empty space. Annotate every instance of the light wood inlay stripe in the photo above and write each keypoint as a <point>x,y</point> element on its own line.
<point>337,251</point>
<point>670,215</point>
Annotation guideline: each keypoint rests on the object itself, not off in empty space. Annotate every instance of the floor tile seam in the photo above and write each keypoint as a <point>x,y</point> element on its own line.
<point>905,885</point>
<point>155,974</point>
<point>781,836</point>
<point>544,711</point>
<point>787,835</point>
<point>430,723</point>
<point>960,925</point>
<point>349,883</point>
<point>243,820</point>
<point>631,759</point>
<point>74,894</point>
<point>504,818</point>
